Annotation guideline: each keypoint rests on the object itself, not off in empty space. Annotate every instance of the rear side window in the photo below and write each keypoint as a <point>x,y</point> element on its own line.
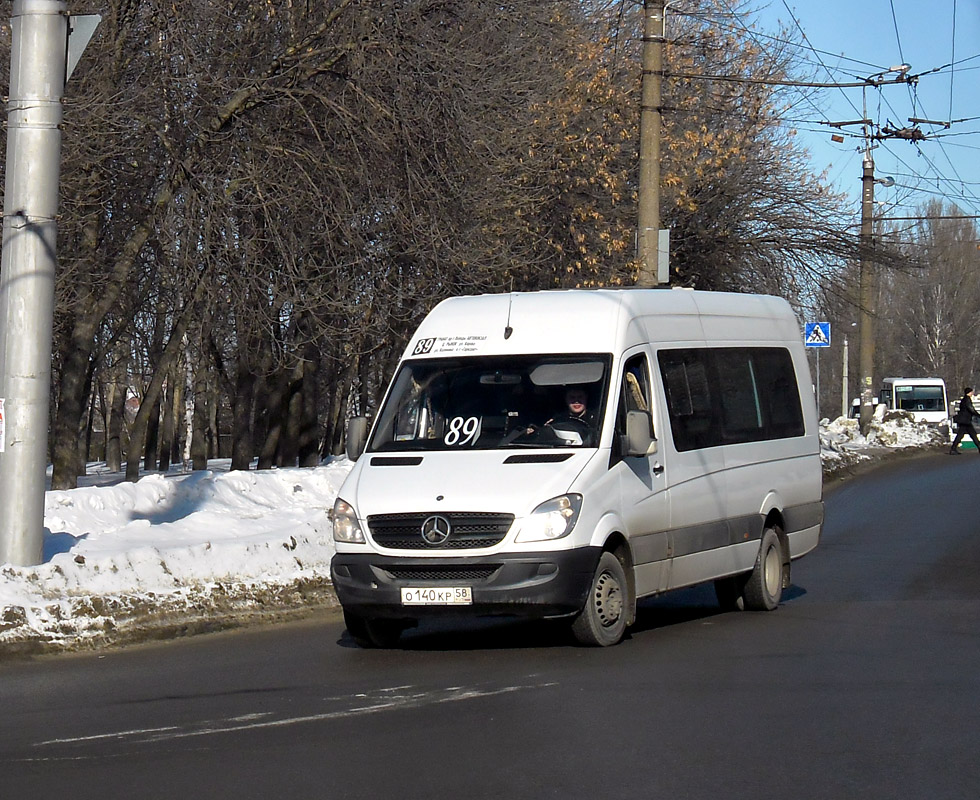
<point>719,396</point>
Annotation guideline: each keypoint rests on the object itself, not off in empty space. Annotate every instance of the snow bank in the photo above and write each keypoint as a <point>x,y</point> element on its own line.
<point>200,544</point>
<point>842,444</point>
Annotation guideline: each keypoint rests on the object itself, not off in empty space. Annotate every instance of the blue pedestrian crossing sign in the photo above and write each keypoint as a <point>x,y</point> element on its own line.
<point>816,334</point>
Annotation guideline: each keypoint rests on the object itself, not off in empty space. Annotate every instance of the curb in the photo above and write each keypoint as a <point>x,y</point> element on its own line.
<point>127,621</point>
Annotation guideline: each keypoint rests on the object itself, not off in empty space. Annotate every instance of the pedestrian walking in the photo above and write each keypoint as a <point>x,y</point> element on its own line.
<point>964,422</point>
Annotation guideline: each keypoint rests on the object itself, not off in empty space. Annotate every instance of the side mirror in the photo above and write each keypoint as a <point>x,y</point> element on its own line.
<point>639,434</point>
<point>357,431</point>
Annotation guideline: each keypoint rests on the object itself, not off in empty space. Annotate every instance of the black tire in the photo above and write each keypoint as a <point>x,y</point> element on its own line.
<point>602,622</point>
<point>729,592</point>
<point>369,633</point>
<point>764,587</point>
<point>357,628</point>
<point>385,633</point>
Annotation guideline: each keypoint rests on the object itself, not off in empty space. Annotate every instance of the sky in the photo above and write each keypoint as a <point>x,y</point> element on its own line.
<point>120,555</point>
<point>851,40</point>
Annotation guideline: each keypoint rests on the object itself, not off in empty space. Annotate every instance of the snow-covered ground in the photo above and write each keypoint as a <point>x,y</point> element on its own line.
<point>192,551</point>
<point>842,445</point>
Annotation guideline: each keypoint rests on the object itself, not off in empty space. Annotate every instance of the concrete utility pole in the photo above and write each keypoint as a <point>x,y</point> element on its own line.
<point>40,59</point>
<point>650,240</point>
<point>866,293</point>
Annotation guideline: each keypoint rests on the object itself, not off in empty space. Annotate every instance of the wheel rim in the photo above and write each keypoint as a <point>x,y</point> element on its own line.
<point>773,572</point>
<point>608,600</point>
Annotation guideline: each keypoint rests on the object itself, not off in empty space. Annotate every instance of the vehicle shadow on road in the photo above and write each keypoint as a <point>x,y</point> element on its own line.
<point>678,607</point>
<point>485,633</point>
<point>689,605</point>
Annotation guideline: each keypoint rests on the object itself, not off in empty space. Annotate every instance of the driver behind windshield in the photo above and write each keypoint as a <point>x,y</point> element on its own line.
<point>576,424</point>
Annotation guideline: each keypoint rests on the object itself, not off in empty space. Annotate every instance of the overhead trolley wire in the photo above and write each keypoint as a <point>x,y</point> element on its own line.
<point>755,38</point>
<point>778,40</point>
<point>952,60</point>
<point>939,178</point>
<point>958,188</point>
<point>901,54</point>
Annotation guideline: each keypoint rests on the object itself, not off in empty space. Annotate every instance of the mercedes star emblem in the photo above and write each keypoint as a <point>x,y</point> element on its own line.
<point>436,530</point>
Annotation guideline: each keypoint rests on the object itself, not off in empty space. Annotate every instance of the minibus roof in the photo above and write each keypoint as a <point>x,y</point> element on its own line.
<point>916,381</point>
<point>599,320</point>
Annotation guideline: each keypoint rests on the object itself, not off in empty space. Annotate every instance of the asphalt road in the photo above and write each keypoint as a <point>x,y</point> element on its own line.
<point>864,683</point>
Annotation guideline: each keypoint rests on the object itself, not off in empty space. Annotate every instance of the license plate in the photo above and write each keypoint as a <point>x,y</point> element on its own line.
<point>437,596</point>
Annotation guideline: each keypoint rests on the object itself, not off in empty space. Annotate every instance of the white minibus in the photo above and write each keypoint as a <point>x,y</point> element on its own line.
<point>924,398</point>
<point>563,454</point>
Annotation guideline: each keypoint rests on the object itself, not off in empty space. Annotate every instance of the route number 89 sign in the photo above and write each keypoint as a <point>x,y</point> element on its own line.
<point>462,431</point>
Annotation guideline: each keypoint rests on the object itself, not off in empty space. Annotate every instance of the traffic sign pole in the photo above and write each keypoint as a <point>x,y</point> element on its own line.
<point>817,334</point>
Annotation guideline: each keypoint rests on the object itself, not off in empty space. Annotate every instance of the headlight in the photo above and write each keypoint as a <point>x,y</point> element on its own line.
<point>552,519</point>
<point>345,525</point>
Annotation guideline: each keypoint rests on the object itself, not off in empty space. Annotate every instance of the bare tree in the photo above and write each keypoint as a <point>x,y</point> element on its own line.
<point>268,195</point>
<point>929,325</point>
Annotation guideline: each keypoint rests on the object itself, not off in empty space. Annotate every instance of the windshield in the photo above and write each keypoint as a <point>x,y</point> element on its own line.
<point>919,398</point>
<point>494,402</point>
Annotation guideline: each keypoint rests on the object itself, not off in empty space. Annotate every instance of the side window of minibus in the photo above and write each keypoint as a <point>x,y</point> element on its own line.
<point>634,392</point>
<point>636,385</point>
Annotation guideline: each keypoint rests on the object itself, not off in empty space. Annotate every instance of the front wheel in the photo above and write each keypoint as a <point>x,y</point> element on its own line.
<point>602,621</point>
<point>382,633</point>
<point>764,587</point>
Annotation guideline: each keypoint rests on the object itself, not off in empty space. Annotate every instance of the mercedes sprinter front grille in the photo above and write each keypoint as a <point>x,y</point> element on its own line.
<point>465,530</point>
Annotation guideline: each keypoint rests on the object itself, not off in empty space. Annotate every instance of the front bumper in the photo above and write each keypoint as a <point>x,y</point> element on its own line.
<point>536,585</point>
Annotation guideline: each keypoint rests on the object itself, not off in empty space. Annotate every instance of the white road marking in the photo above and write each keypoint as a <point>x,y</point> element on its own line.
<point>385,700</point>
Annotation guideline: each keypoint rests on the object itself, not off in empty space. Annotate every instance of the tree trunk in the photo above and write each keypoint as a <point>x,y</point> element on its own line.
<point>168,358</point>
<point>274,395</point>
<point>293,407</point>
<point>213,429</point>
<point>167,425</point>
<point>336,410</point>
<point>87,449</point>
<point>199,437</point>
<point>71,405</point>
<point>309,439</point>
<point>151,435</point>
<point>242,410</point>
<point>114,425</point>
<point>176,443</point>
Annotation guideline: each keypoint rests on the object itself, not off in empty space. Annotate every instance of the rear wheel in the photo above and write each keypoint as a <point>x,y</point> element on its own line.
<point>729,592</point>
<point>764,587</point>
<point>602,621</point>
